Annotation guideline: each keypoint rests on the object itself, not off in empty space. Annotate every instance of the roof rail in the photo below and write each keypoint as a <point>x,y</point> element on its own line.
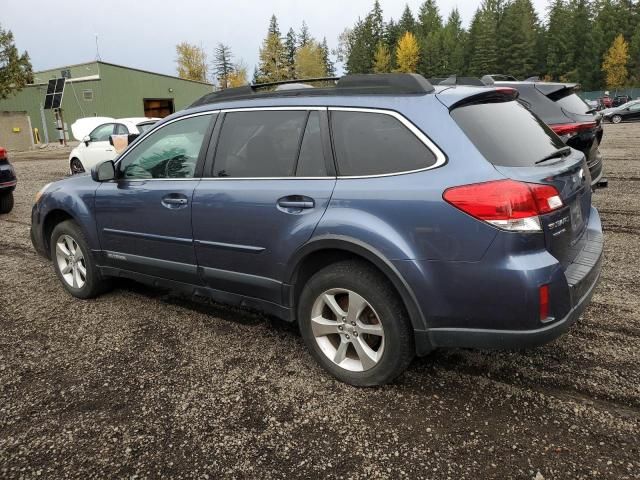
<point>359,84</point>
<point>500,77</point>
<point>457,80</point>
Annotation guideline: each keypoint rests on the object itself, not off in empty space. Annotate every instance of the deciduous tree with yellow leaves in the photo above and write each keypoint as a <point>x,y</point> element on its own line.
<point>192,62</point>
<point>615,61</point>
<point>407,53</point>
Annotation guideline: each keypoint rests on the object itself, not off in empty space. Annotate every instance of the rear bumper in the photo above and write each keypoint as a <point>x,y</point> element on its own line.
<point>515,339</point>
<point>505,314</point>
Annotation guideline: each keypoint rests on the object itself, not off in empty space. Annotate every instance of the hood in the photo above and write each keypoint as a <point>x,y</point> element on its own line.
<point>83,126</point>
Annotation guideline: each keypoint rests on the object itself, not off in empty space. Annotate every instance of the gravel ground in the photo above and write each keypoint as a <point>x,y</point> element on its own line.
<point>141,384</point>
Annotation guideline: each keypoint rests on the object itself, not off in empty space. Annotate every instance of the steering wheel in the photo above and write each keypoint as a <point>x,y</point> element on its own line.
<point>179,167</point>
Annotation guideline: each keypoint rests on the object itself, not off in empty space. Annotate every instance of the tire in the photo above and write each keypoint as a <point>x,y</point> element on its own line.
<point>6,202</point>
<point>70,250</point>
<point>616,119</point>
<point>380,311</point>
<point>75,166</point>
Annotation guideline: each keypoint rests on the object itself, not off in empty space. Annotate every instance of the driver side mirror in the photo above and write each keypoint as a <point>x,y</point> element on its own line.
<point>104,171</point>
<point>86,140</point>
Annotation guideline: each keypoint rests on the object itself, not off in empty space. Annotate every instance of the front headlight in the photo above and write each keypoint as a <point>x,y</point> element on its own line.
<point>42,190</point>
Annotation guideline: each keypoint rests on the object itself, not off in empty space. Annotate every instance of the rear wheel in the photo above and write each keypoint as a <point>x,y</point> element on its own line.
<point>73,262</point>
<point>76,166</point>
<point>355,325</point>
<point>6,202</point>
<point>616,119</point>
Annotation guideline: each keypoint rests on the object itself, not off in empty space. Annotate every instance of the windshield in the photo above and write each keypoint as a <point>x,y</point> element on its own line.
<point>627,105</point>
<point>507,133</point>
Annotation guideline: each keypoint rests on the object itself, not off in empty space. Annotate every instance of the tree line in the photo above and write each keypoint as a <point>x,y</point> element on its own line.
<point>593,42</point>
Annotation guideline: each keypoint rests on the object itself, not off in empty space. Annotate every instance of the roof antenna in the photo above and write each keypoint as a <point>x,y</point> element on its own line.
<point>97,50</point>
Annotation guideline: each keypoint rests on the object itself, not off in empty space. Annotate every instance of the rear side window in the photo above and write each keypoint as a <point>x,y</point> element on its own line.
<point>507,133</point>
<point>311,161</point>
<point>573,103</point>
<point>259,144</point>
<point>375,143</point>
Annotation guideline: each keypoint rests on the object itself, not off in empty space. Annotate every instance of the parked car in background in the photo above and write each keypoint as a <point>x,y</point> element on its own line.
<point>620,100</point>
<point>93,134</point>
<point>560,107</point>
<point>629,112</point>
<point>8,182</point>
<point>387,217</point>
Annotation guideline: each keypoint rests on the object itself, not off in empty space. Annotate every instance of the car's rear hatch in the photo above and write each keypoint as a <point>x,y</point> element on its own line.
<point>523,148</point>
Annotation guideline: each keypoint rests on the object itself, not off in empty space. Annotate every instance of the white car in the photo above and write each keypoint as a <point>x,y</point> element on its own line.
<point>93,134</point>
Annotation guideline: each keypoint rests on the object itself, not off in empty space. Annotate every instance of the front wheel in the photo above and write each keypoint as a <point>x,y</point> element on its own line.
<point>75,165</point>
<point>73,262</point>
<point>616,119</point>
<point>6,202</point>
<point>355,325</point>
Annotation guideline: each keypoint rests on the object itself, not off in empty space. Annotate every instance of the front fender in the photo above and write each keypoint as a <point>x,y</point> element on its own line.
<point>75,197</point>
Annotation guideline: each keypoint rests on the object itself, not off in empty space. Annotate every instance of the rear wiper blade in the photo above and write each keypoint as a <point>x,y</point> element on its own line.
<point>561,152</point>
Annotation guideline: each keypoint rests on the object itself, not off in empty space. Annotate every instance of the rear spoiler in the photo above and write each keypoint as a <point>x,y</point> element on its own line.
<point>493,95</point>
<point>551,89</point>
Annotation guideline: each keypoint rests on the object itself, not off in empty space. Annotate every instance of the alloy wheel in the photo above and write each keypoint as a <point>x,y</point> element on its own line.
<point>347,329</point>
<point>71,261</point>
<point>616,119</point>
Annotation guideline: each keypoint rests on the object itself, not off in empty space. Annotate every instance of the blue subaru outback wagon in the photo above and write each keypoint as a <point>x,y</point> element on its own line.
<point>387,217</point>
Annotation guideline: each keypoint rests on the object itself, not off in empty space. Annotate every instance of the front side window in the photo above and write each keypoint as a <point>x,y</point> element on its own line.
<point>102,133</point>
<point>170,152</point>
<point>121,129</point>
<point>259,144</point>
<point>376,143</point>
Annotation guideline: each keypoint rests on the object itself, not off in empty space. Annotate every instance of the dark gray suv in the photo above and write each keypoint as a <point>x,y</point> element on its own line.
<point>387,217</point>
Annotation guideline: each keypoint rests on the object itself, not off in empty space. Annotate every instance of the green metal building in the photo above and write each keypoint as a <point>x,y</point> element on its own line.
<point>105,90</point>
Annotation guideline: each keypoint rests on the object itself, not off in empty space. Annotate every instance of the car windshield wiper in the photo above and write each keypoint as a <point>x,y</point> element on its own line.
<point>561,152</point>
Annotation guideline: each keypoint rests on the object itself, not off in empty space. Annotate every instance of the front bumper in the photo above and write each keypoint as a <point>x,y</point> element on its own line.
<point>36,232</point>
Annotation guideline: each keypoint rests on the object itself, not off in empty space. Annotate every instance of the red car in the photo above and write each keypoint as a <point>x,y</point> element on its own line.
<point>8,182</point>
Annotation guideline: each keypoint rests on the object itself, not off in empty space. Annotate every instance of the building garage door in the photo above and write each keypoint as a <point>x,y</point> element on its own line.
<point>158,107</point>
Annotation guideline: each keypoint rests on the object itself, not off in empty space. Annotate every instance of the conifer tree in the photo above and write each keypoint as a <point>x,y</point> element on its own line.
<point>304,37</point>
<point>429,32</point>
<point>453,45</point>
<point>329,67</point>
<point>483,39</point>
<point>273,56</point>
<point>222,65</point>
<point>290,46</point>
<point>406,23</point>
<point>517,39</point>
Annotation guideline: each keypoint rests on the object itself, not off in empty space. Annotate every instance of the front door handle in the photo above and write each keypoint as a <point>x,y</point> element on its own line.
<point>174,200</point>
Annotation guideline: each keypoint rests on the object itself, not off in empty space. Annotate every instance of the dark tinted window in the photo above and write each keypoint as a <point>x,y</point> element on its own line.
<point>311,161</point>
<point>375,143</point>
<point>573,103</point>
<point>507,133</point>
<point>259,144</point>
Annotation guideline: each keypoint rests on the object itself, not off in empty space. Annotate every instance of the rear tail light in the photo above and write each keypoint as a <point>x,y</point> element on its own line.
<point>568,130</point>
<point>544,302</point>
<point>506,204</point>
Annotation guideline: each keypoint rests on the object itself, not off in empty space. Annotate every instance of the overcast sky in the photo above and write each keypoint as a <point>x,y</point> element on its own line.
<point>143,33</point>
